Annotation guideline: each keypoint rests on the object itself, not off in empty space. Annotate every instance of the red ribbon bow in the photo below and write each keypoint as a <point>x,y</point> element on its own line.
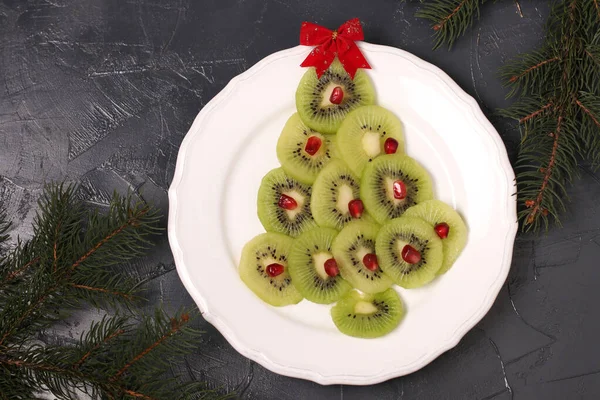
<point>331,43</point>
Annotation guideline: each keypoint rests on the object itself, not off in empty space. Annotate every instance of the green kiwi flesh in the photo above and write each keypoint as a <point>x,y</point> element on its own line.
<point>349,248</point>
<point>292,155</point>
<point>376,189</point>
<point>277,219</point>
<point>362,135</point>
<point>335,187</point>
<point>368,315</point>
<point>307,267</point>
<point>313,94</point>
<point>260,252</point>
<point>435,212</point>
<point>392,238</point>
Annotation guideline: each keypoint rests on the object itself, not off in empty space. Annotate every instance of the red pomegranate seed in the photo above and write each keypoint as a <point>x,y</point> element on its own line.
<point>337,95</point>
<point>331,267</point>
<point>370,261</point>
<point>410,254</point>
<point>274,269</point>
<point>390,146</point>
<point>442,230</point>
<point>356,208</point>
<point>287,203</point>
<point>399,190</point>
<point>313,144</point>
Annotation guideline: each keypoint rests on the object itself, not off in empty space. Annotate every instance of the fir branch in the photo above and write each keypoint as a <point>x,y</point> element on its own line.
<point>14,274</point>
<point>547,175</point>
<point>540,64</point>
<point>176,326</point>
<point>137,395</point>
<point>527,72</point>
<point>558,110</point>
<point>72,260</point>
<point>105,340</point>
<point>592,110</point>
<point>125,296</point>
<point>29,310</point>
<point>535,113</point>
<point>450,18</point>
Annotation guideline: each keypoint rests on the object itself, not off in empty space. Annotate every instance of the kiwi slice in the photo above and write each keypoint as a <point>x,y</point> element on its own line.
<point>303,152</point>
<point>313,268</point>
<point>391,184</point>
<point>409,251</point>
<point>367,133</point>
<point>448,226</point>
<point>263,268</point>
<point>368,315</point>
<point>284,204</point>
<point>336,196</point>
<point>354,249</point>
<point>324,102</point>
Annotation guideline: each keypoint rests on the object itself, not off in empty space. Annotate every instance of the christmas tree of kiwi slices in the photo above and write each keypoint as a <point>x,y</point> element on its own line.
<point>348,214</point>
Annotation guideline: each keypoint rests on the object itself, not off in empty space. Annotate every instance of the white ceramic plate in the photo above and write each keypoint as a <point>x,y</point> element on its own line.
<point>231,145</point>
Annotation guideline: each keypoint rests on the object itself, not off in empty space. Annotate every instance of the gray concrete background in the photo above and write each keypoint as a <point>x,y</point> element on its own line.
<point>102,92</point>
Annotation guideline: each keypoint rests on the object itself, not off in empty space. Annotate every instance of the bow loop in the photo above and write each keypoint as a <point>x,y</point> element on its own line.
<point>330,44</point>
<point>313,34</point>
<point>352,29</point>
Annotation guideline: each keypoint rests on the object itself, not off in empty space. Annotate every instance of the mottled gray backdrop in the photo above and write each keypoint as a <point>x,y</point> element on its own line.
<point>102,92</point>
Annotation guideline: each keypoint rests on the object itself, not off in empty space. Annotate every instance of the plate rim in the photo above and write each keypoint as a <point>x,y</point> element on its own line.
<point>234,340</point>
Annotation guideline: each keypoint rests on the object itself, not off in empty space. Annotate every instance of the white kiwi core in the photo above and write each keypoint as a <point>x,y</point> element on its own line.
<point>371,144</point>
<point>344,197</point>
<point>364,307</point>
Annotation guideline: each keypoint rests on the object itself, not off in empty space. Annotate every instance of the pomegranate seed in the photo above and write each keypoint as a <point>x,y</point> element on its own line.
<point>410,254</point>
<point>286,202</point>
<point>370,261</point>
<point>399,190</point>
<point>331,267</point>
<point>274,269</point>
<point>442,230</point>
<point>390,146</point>
<point>356,208</point>
<point>313,144</point>
<point>337,95</point>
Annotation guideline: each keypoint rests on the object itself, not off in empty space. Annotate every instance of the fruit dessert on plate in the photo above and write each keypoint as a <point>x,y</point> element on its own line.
<point>348,214</point>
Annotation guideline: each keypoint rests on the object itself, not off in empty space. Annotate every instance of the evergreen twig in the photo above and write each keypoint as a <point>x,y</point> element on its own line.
<point>70,261</point>
<point>450,19</point>
<point>558,110</point>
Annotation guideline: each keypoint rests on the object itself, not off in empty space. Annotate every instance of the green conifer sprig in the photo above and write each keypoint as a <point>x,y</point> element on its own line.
<point>558,100</point>
<point>71,261</point>
<point>558,110</point>
<point>450,19</point>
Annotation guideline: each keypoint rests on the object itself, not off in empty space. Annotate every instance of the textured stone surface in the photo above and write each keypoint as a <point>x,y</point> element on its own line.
<point>102,92</point>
